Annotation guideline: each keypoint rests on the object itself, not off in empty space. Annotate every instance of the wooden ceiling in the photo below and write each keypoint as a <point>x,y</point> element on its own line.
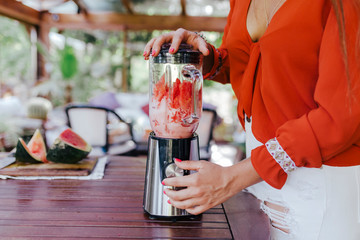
<point>87,19</point>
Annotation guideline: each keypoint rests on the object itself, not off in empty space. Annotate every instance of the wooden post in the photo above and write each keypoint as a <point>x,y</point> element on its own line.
<point>31,30</point>
<point>183,7</point>
<point>124,75</point>
<point>128,6</point>
<point>43,37</point>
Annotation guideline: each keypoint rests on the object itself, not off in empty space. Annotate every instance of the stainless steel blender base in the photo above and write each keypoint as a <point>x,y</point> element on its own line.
<point>160,165</point>
<point>188,217</point>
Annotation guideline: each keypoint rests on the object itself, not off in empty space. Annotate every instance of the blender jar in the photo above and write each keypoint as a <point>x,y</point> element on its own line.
<point>175,92</point>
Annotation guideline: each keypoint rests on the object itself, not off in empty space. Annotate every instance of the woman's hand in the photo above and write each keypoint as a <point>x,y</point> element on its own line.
<point>176,38</point>
<point>210,186</point>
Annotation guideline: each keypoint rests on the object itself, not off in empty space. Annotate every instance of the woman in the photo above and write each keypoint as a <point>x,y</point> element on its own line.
<point>292,65</point>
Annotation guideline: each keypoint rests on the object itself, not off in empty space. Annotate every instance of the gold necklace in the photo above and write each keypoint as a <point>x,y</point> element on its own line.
<point>268,19</point>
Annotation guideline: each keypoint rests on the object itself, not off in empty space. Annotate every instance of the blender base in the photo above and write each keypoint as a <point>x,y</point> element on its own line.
<point>173,218</point>
<point>160,165</point>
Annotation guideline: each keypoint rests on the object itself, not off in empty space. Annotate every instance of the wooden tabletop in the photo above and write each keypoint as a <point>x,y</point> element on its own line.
<point>111,208</point>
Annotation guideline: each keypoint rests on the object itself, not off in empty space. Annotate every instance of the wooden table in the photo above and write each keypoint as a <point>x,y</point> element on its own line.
<point>111,208</point>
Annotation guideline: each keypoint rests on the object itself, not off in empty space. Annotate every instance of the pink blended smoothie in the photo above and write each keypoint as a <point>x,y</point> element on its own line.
<point>167,111</point>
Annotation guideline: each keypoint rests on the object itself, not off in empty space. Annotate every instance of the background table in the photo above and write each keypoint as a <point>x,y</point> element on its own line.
<point>111,208</point>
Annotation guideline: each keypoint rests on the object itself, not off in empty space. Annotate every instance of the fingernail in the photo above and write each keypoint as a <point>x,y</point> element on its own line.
<point>178,160</point>
<point>171,50</point>
<point>145,52</point>
<point>164,192</point>
<point>153,53</point>
<point>162,183</point>
<point>168,201</point>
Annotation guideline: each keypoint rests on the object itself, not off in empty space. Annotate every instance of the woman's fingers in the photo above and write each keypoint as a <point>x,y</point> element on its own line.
<point>192,205</point>
<point>198,42</point>
<point>197,209</point>
<point>159,42</point>
<point>154,45</point>
<point>188,180</point>
<point>190,165</point>
<point>179,36</point>
<point>176,38</point>
<point>204,189</point>
<point>203,47</point>
<point>183,181</point>
<point>183,194</point>
<point>189,203</point>
<point>148,47</point>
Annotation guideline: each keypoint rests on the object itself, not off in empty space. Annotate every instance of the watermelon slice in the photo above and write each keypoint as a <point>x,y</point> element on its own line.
<point>69,147</point>
<point>37,146</point>
<point>34,151</point>
<point>161,89</point>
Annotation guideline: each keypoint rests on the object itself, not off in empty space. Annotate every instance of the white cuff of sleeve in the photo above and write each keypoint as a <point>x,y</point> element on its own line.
<point>280,156</point>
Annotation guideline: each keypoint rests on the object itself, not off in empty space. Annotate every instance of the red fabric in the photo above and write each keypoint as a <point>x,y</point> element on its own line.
<point>293,83</point>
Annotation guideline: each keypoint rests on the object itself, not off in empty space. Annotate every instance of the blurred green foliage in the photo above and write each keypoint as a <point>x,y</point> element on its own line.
<point>68,62</point>
<point>91,61</point>
<point>15,54</point>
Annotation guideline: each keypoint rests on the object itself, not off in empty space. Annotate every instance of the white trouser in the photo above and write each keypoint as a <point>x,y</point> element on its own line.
<point>321,203</point>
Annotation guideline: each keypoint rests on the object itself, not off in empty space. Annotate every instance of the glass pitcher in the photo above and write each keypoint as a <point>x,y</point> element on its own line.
<point>175,92</point>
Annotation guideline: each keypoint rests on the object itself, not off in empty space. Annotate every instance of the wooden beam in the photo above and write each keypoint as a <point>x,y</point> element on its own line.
<point>16,10</point>
<point>128,6</point>
<point>116,21</point>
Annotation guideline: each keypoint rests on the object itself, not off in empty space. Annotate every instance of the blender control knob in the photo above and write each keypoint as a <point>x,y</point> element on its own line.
<point>173,171</point>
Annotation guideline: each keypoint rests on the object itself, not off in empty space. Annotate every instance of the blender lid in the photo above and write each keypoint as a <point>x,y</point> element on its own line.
<point>186,54</point>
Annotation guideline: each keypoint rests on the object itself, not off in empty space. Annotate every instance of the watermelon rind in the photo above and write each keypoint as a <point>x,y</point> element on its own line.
<point>62,152</point>
<point>23,154</point>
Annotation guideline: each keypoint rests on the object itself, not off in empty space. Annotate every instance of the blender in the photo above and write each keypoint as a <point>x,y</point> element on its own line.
<point>175,107</point>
